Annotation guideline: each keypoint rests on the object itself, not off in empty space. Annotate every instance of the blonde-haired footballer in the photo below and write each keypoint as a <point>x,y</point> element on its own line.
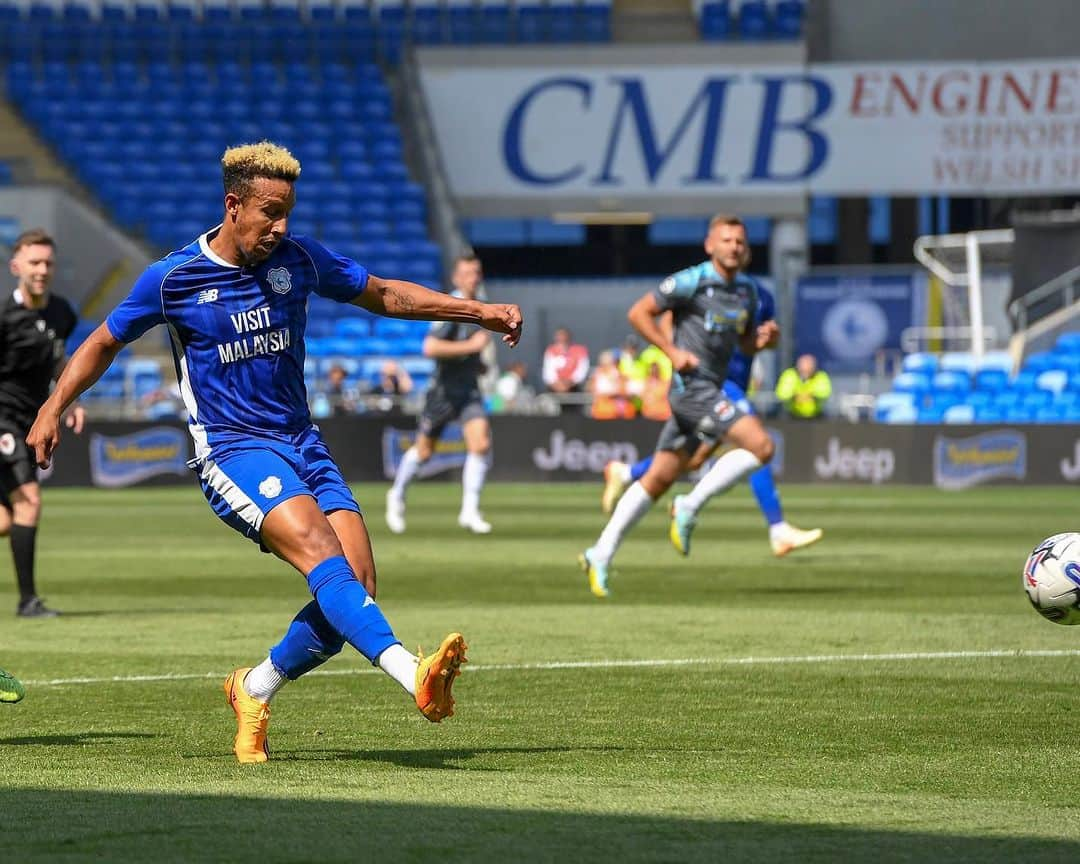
<point>234,301</point>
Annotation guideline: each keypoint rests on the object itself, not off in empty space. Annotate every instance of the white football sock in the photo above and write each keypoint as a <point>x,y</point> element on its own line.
<point>634,504</point>
<point>400,665</point>
<point>410,464</point>
<point>472,481</point>
<point>778,529</point>
<point>728,470</point>
<point>263,681</point>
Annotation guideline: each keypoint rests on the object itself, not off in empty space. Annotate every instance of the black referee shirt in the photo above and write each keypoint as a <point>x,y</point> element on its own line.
<point>31,348</point>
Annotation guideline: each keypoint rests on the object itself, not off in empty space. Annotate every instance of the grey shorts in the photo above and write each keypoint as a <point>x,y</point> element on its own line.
<point>700,412</point>
<point>442,406</point>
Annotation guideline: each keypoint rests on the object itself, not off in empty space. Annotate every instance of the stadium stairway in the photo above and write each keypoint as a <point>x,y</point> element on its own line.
<point>20,147</point>
<point>653,21</point>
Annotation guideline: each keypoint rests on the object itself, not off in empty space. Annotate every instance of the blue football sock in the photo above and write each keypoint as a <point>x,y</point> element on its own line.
<point>768,499</point>
<point>309,642</point>
<point>638,469</point>
<point>349,609</point>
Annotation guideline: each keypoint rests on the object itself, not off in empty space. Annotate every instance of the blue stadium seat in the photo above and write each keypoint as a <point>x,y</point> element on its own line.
<point>911,382</point>
<point>991,379</point>
<point>1000,360</point>
<point>1040,362</point>
<point>673,230</point>
<point>958,361</point>
<point>533,17</point>
<point>545,232</point>
<point>989,415</point>
<point>462,22</point>
<point>715,19</point>
<point>920,361</point>
<point>961,413</point>
<point>1069,343</point>
<point>888,403</point>
<point>822,220</point>
<point>755,22</point>
<point>952,382</point>
<point>495,232</point>
<point>1053,380</point>
<point>788,21</point>
<point>879,227</point>
<point>563,21</point>
<point>493,22</point>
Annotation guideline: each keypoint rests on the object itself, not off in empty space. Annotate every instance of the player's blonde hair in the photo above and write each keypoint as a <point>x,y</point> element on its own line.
<point>242,164</point>
<point>725,219</point>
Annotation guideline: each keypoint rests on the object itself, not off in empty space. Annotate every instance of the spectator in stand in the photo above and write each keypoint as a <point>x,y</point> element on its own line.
<point>804,389</point>
<point>654,393</point>
<point>394,380</point>
<point>566,365</point>
<point>511,391</point>
<point>342,398</point>
<point>166,402</point>
<point>611,398</point>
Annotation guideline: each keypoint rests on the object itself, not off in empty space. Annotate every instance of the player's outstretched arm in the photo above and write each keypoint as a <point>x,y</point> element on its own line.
<point>86,365</point>
<point>400,299</point>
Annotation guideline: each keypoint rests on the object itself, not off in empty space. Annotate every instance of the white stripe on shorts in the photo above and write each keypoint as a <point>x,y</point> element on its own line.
<point>234,496</point>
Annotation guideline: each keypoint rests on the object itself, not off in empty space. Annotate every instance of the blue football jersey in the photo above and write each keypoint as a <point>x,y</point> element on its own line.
<point>739,366</point>
<point>237,333</point>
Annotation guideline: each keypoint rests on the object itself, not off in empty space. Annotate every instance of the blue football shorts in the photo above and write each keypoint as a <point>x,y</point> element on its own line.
<point>245,479</point>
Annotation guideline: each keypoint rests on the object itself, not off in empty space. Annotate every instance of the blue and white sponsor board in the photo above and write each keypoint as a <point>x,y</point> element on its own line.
<point>449,450</point>
<point>124,460</point>
<point>699,131</point>
<point>963,462</point>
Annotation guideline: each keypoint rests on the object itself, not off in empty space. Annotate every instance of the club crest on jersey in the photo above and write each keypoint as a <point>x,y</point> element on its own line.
<point>668,285</point>
<point>280,280</point>
<point>270,487</point>
<point>7,444</point>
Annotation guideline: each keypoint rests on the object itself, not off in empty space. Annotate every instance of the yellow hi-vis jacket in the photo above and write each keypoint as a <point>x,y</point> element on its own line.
<point>804,399</point>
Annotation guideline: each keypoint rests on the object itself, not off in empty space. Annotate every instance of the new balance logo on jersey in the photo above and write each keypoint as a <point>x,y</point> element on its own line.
<point>207,296</point>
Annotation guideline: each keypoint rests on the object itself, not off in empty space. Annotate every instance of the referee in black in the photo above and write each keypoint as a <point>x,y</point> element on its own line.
<point>34,325</point>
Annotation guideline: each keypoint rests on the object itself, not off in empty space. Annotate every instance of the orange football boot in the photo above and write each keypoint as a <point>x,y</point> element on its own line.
<point>252,719</point>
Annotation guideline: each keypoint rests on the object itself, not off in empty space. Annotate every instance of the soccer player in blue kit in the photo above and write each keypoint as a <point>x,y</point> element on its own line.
<point>235,305</point>
<point>716,312</point>
<point>783,536</point>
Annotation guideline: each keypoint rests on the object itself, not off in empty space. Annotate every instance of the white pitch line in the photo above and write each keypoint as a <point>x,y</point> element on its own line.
<point>620,664</point>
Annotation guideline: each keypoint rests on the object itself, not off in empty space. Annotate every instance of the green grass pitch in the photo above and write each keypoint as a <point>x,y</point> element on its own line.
<point>888,730</point>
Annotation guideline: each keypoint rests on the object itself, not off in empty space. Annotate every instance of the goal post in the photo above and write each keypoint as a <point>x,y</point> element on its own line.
<point>959,261</point>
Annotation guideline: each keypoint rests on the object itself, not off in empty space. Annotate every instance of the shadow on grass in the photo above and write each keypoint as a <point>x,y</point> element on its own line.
<point>113,826</point>
<point>451,760</point>
<point>117,613</point>
<point>74,739</point>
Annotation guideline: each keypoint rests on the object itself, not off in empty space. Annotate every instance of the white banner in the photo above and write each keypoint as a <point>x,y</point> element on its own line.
<point>696,131</point>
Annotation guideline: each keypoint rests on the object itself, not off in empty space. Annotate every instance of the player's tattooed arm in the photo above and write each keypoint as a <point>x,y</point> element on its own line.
<point>400,299</point>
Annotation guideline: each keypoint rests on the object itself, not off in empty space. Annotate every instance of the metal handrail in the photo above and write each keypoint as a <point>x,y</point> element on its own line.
<point>1066,284</point>
<point>912,337</point>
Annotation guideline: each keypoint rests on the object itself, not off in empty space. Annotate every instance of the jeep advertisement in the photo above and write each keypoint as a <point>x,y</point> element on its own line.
<point>576,447</point>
